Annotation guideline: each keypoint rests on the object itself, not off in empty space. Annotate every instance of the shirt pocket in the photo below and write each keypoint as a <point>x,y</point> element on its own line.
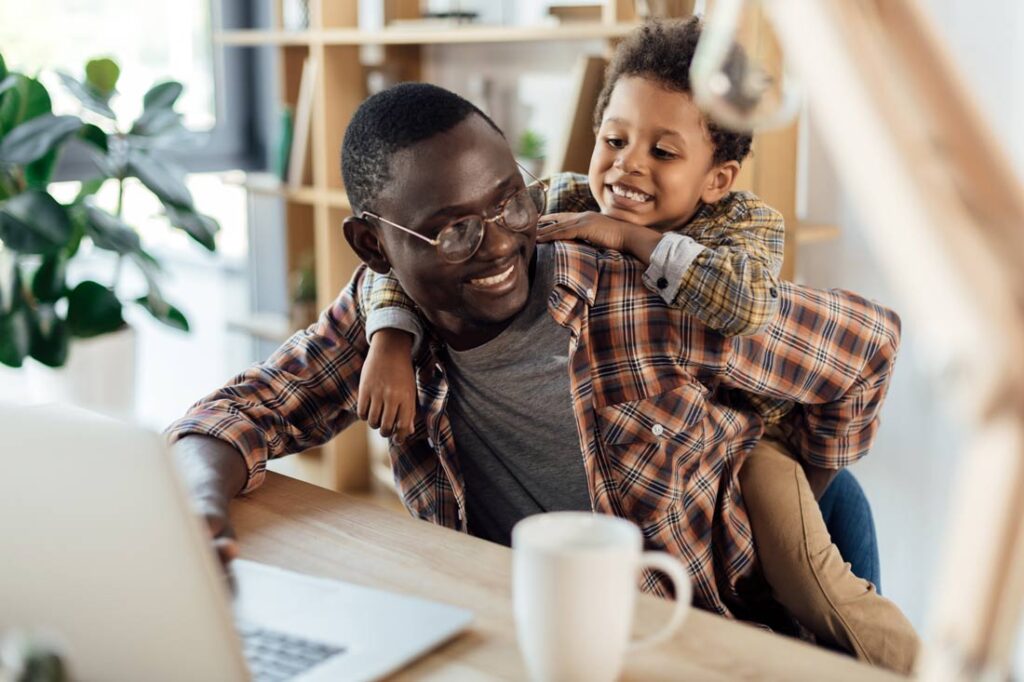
<point>652,446</point>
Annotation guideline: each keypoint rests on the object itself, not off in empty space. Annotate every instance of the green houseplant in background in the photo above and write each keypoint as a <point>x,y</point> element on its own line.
<point>530,152</point>
<point>40,312</point>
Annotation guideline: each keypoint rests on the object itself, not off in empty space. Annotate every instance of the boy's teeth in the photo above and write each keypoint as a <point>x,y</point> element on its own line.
<point>496,279</point>
<point>630,194</point>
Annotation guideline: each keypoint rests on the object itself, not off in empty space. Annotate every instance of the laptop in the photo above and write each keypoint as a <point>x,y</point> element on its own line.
<point>101,553</point>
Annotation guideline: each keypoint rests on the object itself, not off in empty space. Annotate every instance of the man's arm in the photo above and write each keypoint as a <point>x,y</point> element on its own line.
<point>298,398</point>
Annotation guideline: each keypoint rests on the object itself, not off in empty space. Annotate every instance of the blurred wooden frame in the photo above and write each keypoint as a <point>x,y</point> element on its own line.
<point>945,213</point>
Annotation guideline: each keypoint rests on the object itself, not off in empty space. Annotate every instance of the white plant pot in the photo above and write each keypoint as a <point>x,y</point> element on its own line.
<point>99,376</point>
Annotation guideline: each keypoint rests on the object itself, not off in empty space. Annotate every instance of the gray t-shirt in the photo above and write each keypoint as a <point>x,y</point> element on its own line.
<point>511,414</point>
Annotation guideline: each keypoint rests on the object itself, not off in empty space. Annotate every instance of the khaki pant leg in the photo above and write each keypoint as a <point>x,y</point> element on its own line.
<point>806,573</point>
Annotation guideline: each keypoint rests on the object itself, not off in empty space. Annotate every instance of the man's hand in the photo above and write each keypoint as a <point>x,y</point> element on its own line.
<point>600,230</point>
<point>214,472</point>
<point>221,532</point>
<point>387,385</point>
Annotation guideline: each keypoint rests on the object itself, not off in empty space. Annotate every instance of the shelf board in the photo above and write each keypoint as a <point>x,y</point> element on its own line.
<point>264,183</point>
<point>427,35</point>
<point>257,37</point>
<point>817,233</point>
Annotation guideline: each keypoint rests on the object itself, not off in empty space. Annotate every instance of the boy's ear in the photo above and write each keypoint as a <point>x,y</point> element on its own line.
<point>363,239</point>
<point>719,181</point>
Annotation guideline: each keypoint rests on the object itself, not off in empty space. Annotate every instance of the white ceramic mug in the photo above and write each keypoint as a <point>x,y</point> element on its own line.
<point>574,581</point>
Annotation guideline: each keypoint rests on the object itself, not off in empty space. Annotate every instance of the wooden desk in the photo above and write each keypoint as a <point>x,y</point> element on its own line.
<point>309,529</point>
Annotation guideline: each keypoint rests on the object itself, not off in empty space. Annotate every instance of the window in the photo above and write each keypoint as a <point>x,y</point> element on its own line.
<point>151,41</point>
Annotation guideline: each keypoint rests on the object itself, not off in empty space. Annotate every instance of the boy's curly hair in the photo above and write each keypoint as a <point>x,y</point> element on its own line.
<point>662,51</point>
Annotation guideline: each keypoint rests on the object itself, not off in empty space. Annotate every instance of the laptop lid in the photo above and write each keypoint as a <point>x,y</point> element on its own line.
<point>101,552</point>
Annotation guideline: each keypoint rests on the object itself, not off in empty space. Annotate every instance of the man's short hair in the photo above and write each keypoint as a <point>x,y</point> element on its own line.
<point>390,121</point>
<point>662,51</point>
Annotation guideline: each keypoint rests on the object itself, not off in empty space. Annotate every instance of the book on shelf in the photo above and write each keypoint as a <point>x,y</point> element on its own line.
<point>303,118</point>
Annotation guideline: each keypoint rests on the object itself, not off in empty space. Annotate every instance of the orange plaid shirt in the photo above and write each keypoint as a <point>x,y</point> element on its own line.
<point>657,399</point>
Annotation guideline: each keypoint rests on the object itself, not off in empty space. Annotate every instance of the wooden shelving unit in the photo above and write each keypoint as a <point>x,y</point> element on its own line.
<point>428,35</point>
<point>315,209</point>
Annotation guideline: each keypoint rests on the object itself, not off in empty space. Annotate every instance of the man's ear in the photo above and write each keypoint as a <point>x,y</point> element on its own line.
<point>719,181</point>
<point>363,239</point>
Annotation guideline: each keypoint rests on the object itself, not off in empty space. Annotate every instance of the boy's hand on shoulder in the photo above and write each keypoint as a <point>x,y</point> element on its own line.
<point>599,230</point>
<point>593,228</point>
<point>387,385</point>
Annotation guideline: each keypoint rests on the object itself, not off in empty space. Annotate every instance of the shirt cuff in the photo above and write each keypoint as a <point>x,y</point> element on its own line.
<point>671,259</point>
<point>395,318</point>
<point>232,429</point>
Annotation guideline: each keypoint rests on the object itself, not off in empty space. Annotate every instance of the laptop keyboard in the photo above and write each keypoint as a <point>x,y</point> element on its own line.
<point>274,656</point>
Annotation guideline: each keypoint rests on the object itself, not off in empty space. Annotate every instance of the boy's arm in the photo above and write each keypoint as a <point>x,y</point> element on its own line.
<point>300,397</point>
<point>724,269</point>
<point>830,352</point>
<point>385,305</point>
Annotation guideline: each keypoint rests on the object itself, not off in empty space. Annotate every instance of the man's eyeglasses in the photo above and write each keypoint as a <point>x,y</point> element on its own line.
<point>460,239</point>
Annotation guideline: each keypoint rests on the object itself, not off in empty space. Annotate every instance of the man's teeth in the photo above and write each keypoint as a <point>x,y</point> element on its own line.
<point>496,279</point>
<point>630,193</point>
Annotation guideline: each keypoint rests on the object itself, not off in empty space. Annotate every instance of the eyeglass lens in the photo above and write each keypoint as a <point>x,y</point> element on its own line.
<point>460,239</point>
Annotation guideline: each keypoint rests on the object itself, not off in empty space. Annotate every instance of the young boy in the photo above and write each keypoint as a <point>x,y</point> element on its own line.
<point>661,176</point>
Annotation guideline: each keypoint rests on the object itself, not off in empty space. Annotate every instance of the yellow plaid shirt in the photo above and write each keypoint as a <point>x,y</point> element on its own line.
<point>653,393</point>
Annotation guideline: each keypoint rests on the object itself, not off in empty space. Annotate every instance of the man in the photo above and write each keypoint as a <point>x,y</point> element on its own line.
<point>564,382</point>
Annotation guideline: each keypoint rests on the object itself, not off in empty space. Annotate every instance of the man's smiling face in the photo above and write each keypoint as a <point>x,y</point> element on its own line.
<point>466,170</point>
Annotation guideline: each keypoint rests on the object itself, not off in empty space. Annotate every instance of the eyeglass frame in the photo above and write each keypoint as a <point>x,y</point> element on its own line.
<point>498,218</point>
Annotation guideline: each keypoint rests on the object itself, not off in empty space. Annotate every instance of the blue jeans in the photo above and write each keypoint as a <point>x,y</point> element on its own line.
<point>848,518</point>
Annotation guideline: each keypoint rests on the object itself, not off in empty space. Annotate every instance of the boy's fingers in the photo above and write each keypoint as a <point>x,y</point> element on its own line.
<point>363,404</point>
<point>560,232</point>
<point>387,420</point>
<point>373,414</point>
<point>556,217</point>
<point>404,419</point>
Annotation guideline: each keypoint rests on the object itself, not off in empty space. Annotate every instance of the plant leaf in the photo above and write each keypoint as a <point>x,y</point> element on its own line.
<point>158,115</point>
<point>39,172</point>
<point>109,232</point>
<point>48,336</point>
<point>34,138</point>
<point>93,310</point>
<point>162,95</point>
<point>3,68</point>
<point>163,179</point>
<point>90,99</point>
<point>164,312</point>
<point>7,82</point>
<point>15,337</point>
<point>101,75</point>
<point>155,122</point>
<point>88,188</point>
<point>26,100</point>
<point>78,221</point>
<point>33,222</point>
<point>48,281</point>
<point>94,136</point>
<point>200,227</point>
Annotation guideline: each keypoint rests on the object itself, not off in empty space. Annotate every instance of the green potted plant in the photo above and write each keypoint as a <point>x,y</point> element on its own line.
<point>530,152</point>
<point>41,311</point>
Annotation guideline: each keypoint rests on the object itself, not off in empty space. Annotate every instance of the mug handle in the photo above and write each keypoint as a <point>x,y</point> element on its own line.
<point>670,566</point>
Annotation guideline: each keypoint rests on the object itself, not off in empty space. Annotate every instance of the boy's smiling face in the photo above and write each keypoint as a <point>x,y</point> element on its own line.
<point>652,161</point>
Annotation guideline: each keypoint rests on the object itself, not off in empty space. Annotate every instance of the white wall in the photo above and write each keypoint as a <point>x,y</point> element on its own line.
<point>909,474</point>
